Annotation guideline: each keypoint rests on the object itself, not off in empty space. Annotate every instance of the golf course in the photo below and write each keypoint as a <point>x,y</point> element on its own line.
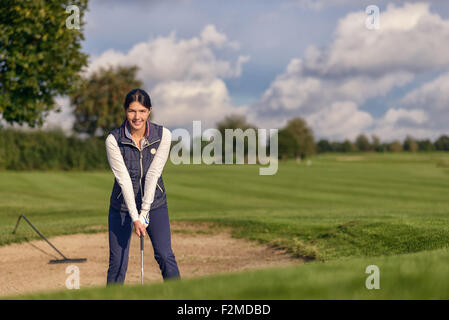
<point>338,213</point>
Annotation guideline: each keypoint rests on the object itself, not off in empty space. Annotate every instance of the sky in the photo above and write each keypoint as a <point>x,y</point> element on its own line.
<point>276,60</point>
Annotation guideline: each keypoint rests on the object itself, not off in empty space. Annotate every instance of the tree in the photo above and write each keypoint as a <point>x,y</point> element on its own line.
<point>395,146</point>
<point>410,144</point>
<point>287,144</point>
<point>425,145</point>
<point>297,139</point>
<point>236,121</point>
<point>376,144</point>
<point>324,146</point>
<point>362,143</point>
<point>348,146</point>
<point>233,121</point>
<point>442,143</point>
<point>40,57</point>
<point>98,103</point>
<point>337,146</point>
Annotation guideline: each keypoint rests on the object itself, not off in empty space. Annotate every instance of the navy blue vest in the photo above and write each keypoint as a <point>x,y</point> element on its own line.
<point>138,162</point>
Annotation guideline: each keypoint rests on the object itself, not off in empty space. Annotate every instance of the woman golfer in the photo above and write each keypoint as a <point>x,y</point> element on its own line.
<point>137,152</point>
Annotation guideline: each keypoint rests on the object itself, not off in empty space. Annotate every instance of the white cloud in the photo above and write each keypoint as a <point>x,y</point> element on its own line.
<point>410,39</point>
<point>183,76</point>
<point>340,120</point>
<point>55,120</point>
<point>397,123</point>
<point>294,93</point>
<point>388,132</point>
<point>64,119</point>
<point>328,84</point>
<point>423,112</point>
<point>169,58</point>
<point>319,5</point>
<point>416,116</point>
<point>178,103</point>
<point>210,35</point>
<point>433,97</point>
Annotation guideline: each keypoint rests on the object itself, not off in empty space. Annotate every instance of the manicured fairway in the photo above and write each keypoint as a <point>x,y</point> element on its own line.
<point>336,209</point>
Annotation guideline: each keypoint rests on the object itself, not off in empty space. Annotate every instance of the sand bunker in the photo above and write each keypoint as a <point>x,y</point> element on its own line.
<point>199,248</point>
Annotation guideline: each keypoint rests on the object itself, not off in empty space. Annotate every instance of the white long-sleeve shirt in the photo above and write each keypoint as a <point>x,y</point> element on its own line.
<point>121,173</point>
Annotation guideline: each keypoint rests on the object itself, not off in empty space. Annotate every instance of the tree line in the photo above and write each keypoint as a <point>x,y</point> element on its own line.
<point>53,150</point>
<point>296,140</point>
<point>363,144</point>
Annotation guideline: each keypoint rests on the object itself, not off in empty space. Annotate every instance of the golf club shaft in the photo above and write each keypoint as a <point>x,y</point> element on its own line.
<point>141,258</point>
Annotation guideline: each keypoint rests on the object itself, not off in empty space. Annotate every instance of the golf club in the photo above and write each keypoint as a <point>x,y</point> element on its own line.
<point>141,258</point>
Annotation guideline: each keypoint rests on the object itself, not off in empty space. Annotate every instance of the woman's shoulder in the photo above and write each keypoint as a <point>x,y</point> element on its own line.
<point>111,140</point>
<point>166,133</point>
<point>162,130</point>
<point>114,132</point>
<point>154,124</point>
<point>113,136</point>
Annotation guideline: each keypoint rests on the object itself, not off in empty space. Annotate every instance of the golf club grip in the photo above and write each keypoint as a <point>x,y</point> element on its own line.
<point>141,242</point>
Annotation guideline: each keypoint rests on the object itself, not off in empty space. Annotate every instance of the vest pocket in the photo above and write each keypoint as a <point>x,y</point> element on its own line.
<point>120,193</point>
<point>160,187</point>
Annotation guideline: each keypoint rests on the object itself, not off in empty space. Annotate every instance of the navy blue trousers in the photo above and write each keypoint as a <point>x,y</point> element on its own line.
<point>120,230</point>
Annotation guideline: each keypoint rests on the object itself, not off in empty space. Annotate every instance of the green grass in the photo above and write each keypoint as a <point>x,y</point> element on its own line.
<point>55,202</point>
<point>412,276</point>
<point>340,208</point>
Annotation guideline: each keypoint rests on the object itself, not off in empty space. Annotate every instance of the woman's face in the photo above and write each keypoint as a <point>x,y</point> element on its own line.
<point>137,115</point>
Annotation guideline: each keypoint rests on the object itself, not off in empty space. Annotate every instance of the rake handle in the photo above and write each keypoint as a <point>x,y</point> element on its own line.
<point>37,231</point>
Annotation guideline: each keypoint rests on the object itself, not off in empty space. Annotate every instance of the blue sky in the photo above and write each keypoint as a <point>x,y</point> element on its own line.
<point>274,60</point>
<point>271,32</point>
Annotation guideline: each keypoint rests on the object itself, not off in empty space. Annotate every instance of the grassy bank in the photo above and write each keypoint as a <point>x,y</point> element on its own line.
<point>412,276</point>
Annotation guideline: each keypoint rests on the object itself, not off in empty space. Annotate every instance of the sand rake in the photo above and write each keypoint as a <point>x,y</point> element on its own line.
<point>64,258</point>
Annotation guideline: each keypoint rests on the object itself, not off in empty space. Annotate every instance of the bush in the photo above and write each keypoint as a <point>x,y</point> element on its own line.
<point>395,146</point>
<point>324,146</point>
<point>362,143</point>
<point>442,143</point>
<point>50,150</point>
<point>425,145</point>
<point>410,145</point>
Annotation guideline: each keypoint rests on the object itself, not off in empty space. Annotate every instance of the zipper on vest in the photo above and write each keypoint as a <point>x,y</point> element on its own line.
<point>141,167</point>
<point>119,194</point>
<point>159,187</point>
<point>141,173</point>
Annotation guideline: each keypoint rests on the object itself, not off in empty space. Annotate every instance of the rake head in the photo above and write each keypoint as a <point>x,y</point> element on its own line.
<point>79,260</point>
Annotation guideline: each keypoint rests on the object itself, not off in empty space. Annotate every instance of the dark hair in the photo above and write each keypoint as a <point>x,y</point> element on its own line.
<point>138,95</point>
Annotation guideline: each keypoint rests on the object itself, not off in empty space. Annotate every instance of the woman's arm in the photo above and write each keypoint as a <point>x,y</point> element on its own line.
<point>155,171</point>
<point>121,174</point>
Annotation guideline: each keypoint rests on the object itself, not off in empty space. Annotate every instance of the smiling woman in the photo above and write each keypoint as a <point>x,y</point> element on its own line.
<point>138,170</point>
<point>137,114</point>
